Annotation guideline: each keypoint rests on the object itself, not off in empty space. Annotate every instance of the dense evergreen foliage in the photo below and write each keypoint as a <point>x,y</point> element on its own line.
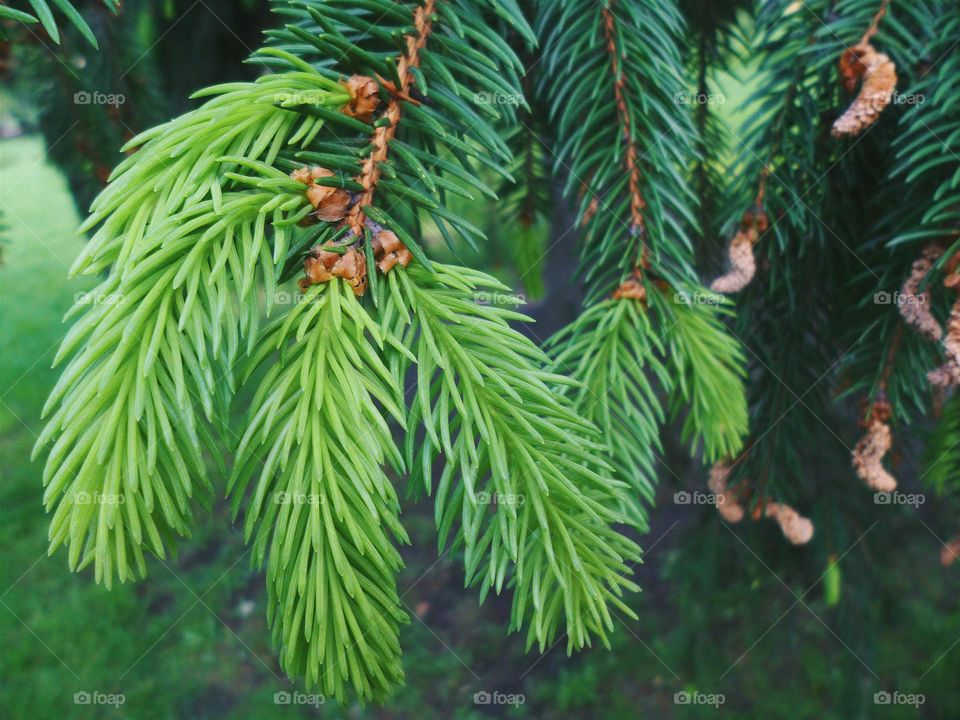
<point>376,124</point>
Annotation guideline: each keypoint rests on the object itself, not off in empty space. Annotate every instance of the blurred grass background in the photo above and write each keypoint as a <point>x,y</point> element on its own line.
<point>192,642</point>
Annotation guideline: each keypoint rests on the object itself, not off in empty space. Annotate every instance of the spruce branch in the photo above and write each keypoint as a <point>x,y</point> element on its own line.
<point>812,246</point>
<point>435,133</point>
<point>708,370</point>
<point>522,488</point>
<point>154,339</point>
<point>323,167</point>
<point>323,515</point>
<point>637,214</point>
<point>615,351</point>
<point>612,97</point>
<point>485,413</point>
<point>409,63</point>
<point>630,158</point>
<point>180,163</point>
<point>918,223</point>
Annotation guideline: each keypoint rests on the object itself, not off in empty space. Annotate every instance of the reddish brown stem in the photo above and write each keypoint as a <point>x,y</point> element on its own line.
<point>637,203</point>
<point>875,23</point>
<point>370,174</point>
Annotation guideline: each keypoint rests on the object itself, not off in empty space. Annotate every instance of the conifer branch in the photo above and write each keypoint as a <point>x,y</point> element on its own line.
<point>919,223</point>
<point>636,240</point>
<point>632,148</point>
<point>155,339</point>
<point>323,514</point>
<point>522,488</point>
<point>709,371</point>
<point>615,351</point>
<point>321,167</point>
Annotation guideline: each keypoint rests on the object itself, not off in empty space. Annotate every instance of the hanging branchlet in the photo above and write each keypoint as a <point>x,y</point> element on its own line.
<point>915,305</point>
<point>608,91</point>
<point>726,502</point>
<point>873,446</point>
<point>187,238</point>
<point>742,263</point>
<point>797,529</point>
<point>879,76</point>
